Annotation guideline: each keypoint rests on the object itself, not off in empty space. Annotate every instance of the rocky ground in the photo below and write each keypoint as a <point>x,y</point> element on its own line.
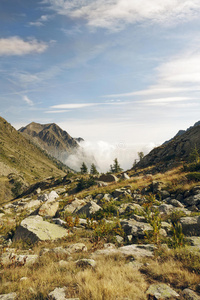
<point>114,240</point>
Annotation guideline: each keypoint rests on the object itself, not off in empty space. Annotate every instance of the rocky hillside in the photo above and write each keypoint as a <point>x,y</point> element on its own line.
<point>51,138</point>
<point>175,151</point>
<point>111,240</point>
<point>180,132</point>
<point>21,162</point>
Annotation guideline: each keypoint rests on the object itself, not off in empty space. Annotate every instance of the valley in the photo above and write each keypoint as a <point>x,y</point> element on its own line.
<point>122,235</point>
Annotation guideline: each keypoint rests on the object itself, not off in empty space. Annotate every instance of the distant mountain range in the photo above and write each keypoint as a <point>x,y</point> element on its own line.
<point>51,138</point>
<point>175,151</point>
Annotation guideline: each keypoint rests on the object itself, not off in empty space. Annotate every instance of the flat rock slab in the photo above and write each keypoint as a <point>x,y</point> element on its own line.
<point>161,291</point>
<point>35,229</point>
<point>10,258</point>
<point>130,250</point>
<point>10,296</point>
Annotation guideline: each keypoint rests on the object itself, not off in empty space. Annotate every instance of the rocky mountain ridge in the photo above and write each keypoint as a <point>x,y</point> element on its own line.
<point>52,138</point>
<point>174,152</point>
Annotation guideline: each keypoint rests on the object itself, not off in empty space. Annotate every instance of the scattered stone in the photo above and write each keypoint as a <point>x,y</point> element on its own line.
<point>43,197</point>
<point>89,209</point>
<point>74,206</point>
<point>52,196</point>
<point>78,247</point>
<point>133,250</point>
<point>125,176</point>
<point>58,294</point>
<point>48,209</point>
<point>134,228</point>
<point>35,229</point>
<point>191,225</point>
<point>84,262</point>
<point>63,264</point>
<point>108,178</point>
<point>119,239</point>
<point>10,296</point>
<point>190,295</point>
<point>23,278</point>
<point>161,291</point>
<point>175,203</point>
<point>165,209</point>
<point>11,258</point>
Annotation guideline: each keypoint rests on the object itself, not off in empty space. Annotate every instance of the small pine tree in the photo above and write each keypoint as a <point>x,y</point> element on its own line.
<point>84,168</point>
<point>93,170</point>
<point>194,155</point>
<point>115,168</point>
<point>141,155</point>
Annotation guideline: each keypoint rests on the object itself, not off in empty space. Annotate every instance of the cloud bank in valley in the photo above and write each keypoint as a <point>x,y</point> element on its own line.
<point>102,154</point>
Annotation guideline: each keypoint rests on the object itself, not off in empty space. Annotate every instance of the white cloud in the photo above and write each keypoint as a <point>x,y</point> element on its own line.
<point>56,111</point>
<point>177,77</point>
<point>17,46</point>
<point>73,105</point>
<point>114,14</point>
<point>40,22</point>
<point>81,105</point>
<point>28,101</point>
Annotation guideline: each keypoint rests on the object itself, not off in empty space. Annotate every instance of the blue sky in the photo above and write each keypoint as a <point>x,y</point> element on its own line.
<point>121,71</point>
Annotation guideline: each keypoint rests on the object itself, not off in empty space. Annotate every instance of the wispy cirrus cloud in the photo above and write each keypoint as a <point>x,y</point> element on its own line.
<point>73,105</point>
<point>174,79</point>
<point>56,111</point>
<point>115,14</point>
<point>41,21</point>
<point>82,105</point>
<point>17,46</point>
<point>28,101</point>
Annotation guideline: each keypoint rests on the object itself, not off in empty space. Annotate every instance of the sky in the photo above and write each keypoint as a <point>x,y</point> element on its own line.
<point>123,72</point>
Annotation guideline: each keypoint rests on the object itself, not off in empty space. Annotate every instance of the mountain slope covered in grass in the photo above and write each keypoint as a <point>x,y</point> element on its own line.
<point>18,156</point>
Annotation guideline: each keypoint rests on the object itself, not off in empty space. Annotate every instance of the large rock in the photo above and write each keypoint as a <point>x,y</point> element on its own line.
<point>190,295</point>
<point>58,294</point>
<point>11,258</point>
<point>10,296</point>
<point>192,200</point>
<point>35,229</point>
<point>48,209</point>
<point>108,178</point>
<point>134,228</point>
<point>89,209</point>
<point>161,291</point>
<point>134,250</point>
<point>191,225</point>
<point>74,206</point>
<point>165,209</point>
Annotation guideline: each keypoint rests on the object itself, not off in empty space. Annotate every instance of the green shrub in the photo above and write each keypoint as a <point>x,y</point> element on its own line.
<point>85,183</point>
<point>108,210</point>
<point>194,176</point>
<point>107,231</point>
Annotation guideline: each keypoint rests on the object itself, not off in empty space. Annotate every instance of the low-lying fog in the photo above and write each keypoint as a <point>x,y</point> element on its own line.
<point>102,154</point>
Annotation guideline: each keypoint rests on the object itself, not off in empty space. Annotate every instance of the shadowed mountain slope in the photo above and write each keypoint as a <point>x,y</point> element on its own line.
<point>175,151</point>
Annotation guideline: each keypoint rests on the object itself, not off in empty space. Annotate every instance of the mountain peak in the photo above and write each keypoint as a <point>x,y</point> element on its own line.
<point>51,138</point>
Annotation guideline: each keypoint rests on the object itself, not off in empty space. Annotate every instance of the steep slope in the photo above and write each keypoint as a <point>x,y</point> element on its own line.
<point>175,151</point>
<point>51,138</point>
<point>180,132</point>
<point>19,156</point>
